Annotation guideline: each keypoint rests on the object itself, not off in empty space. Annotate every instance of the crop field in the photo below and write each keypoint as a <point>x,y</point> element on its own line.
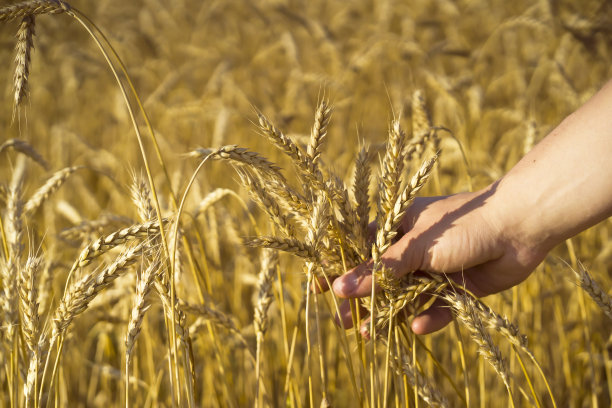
<point>180,181</point>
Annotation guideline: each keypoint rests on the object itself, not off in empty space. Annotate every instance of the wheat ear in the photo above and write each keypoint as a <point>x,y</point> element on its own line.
<point>590,286</point>
<point>145,282</point>
<point>51,186</point>
<point>141,197</point>
<point>404,366</point>
<point>11,269</point>
<point>28,295</point>
<point>289,245</point>
<point>77,297</point>
<point>215,316</point>
<point>32,7</point>
<point>241,156</point>
<point>391,172</point>
<point>87,228</point>
<point>319,131</point>
<point>265,280</point>
<point>105,244</point>
<point>26,148</point>
<point>361,187</point>
<point>307,168</point>
<point>468,315</point>
<point>267,202</point>
<point>25,44</point>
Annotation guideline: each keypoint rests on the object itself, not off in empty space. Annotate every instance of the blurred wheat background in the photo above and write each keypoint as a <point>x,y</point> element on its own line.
<point>499,75</point>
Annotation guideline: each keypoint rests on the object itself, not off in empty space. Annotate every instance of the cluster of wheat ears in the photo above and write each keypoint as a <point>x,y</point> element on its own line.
<point>317,217</point>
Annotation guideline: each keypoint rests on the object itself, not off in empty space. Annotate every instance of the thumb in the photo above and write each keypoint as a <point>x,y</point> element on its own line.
<point>403,257</point>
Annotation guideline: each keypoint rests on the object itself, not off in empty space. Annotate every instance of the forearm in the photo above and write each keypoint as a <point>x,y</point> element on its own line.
<point>564,185</point>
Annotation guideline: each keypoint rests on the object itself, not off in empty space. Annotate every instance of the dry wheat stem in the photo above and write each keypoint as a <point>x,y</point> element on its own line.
<point>29,388</point>
<point>32,7</point>
<point>179,319</point>
<point>26,148</point>
<point>51,186</point>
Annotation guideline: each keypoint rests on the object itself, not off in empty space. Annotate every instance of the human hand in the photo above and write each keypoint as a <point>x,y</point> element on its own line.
<point>464,236</point>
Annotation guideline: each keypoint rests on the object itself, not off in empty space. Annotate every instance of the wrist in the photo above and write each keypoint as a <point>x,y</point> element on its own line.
<point>518,222</point>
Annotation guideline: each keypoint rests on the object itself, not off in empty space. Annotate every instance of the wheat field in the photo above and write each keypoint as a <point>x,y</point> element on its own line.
<point>175,176</point>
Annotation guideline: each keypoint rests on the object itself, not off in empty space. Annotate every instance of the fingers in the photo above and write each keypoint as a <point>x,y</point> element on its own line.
<point>355,283</point>
<point>358,281</point>
<point>432,319</point>
<point>345,318</point>
<point>319,284</point>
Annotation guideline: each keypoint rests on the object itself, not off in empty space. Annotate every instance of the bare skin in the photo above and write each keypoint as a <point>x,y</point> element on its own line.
<point>492,239</point>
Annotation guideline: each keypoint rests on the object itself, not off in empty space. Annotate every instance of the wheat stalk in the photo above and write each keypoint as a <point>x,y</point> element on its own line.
<point>34,366</point>
<point>26,148</point>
